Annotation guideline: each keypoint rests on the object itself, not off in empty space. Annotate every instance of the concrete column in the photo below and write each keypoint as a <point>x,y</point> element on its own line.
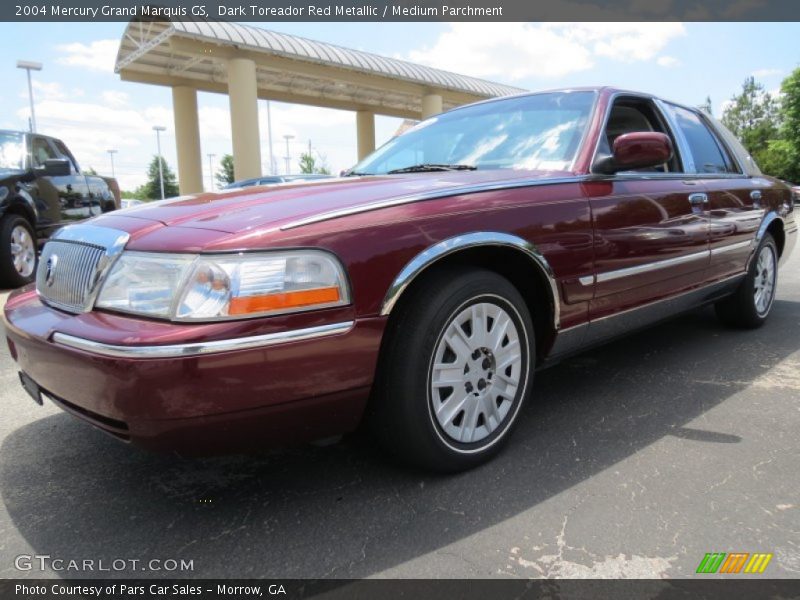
<point>243,96</point>
<point>365,130</point>
<point>431,105</point>
<point>187,139</point>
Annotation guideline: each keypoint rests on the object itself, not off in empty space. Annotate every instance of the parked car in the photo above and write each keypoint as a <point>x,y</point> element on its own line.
<point>276,179</point>
<point>416,297</point>
<point>129,202</point>
<point>41,189</point>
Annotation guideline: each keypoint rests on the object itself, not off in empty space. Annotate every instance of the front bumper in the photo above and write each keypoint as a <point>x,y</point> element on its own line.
<point>262,384</point>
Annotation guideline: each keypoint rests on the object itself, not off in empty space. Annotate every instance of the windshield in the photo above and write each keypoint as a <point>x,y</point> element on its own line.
<point>540,131</point>
<point>11,151</point>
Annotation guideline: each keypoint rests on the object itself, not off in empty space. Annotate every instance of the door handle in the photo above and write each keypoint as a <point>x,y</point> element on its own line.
<point>755,195</point>
<point>698,199</point>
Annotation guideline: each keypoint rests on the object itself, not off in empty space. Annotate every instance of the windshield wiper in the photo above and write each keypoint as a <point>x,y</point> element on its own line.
<point>429,167</point>
<point>356,174</point>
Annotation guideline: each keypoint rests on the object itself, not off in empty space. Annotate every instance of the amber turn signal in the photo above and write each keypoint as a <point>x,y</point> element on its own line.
<point>244,305</point>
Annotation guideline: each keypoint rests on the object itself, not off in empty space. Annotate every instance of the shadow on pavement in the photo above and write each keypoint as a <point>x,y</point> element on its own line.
<point>343,511</point>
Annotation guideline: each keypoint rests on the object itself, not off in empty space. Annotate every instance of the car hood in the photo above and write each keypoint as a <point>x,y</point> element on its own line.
<point>235,211</point>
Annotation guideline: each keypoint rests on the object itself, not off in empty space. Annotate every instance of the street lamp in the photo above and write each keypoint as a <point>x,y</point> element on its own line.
<point>288,156</point>
<point>158,129</point>
<point>211,171</point>
<point>272,168</point>
<point>111,153</point>
<point>29,66</point>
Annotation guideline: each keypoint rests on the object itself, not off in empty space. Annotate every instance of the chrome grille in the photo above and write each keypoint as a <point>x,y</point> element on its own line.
<point>74,263</point>
<point>72,267</point>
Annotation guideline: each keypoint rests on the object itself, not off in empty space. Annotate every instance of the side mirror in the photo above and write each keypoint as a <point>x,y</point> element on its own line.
<point>638,150</point>
<point>54,167</point>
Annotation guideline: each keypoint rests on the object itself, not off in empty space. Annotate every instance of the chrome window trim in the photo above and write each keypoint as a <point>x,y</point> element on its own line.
<point>432,195</point>
<point>200,348</point>
<point>685,157</point>
<point>471,240</point>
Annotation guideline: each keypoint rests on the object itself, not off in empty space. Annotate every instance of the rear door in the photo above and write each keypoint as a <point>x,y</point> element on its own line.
<point>651,236</point>
<point>733,202</point>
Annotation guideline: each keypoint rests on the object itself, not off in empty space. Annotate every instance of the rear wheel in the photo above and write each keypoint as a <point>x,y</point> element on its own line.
<point>17,251</point>
<point>750,305</point>
<point>455,371</point>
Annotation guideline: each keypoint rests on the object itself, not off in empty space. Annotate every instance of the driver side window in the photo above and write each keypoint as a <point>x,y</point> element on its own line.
<point>41,151</point>
<point>631,115</point>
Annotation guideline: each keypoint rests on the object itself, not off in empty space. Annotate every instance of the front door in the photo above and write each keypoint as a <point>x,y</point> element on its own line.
<point>651,232</point>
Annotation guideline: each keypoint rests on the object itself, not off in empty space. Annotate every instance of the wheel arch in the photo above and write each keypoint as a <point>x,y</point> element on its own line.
<point>518,260</point>
<point>772,223</point>
<point>22,205</point>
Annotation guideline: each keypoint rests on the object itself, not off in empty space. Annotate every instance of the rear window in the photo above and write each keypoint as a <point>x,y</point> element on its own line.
<point>709,155</point>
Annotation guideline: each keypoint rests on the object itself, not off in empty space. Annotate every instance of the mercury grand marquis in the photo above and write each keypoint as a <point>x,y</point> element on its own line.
<point>417,295</point>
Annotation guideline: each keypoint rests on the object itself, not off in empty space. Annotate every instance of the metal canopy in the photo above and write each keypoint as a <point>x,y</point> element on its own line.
<point>290,68</point>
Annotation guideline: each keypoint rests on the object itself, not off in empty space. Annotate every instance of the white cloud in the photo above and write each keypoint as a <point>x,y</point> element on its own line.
<point>667,61</point>
<point>513,51</point>
<point>99,55</point>
<point>761,73</point>
<point>114,98</point>
<point>45,91</point>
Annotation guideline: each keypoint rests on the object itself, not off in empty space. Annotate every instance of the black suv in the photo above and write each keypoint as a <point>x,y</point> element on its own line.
<point>41,189</point>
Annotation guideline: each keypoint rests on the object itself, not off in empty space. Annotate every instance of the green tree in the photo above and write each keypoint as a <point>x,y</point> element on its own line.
<point>308,164</point>
<point>781,158</point>
<point>754,117</point>
<point>151,190</point>
<point>224,174</point>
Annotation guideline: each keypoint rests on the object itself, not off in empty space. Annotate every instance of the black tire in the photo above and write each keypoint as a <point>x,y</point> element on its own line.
<point>741,308</point>
<point>402,409</point>
<point>10,276</point>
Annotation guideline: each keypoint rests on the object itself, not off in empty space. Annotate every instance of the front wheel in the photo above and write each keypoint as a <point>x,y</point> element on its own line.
<point>17,251</point>
<point>750,305</point>
<point>455,371</point>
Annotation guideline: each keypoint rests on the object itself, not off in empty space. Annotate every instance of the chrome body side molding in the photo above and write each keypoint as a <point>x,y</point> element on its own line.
<point>200,348</point>
<point>471,240</point>
<point>661,264</point>
<point>731,247</point>
<point>652,266</point>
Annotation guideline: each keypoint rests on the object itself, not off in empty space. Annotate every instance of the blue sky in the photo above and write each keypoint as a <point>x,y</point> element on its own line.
<point>81,100</point>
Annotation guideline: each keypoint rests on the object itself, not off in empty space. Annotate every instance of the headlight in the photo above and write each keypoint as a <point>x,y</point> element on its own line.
<point>225,286</point>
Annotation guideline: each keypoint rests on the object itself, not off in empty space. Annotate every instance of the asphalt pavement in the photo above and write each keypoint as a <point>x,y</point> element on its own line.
<point>634,460</point>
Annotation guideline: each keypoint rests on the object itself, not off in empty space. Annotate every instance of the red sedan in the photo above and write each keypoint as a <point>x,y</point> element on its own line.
<point>418,294</point>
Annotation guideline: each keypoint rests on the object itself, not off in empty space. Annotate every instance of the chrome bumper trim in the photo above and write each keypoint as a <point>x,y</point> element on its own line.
<point>201,348</point>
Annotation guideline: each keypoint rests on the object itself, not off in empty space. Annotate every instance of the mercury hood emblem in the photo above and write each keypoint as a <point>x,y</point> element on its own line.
<point>50,272</point>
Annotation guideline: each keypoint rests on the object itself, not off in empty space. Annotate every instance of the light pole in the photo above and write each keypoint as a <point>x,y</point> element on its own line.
<point>269,135</point>
<point>288,156</point>
<point>29,66</point>
<point>158,129</point>
<point>111,153</point>
<point>211,171</point>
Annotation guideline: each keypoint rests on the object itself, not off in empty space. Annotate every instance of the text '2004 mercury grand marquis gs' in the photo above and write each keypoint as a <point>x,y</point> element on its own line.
<point>418,294</point>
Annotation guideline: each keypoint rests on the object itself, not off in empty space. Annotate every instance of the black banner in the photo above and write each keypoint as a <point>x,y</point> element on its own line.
<point>400,10</point>
<point>390,589</point>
